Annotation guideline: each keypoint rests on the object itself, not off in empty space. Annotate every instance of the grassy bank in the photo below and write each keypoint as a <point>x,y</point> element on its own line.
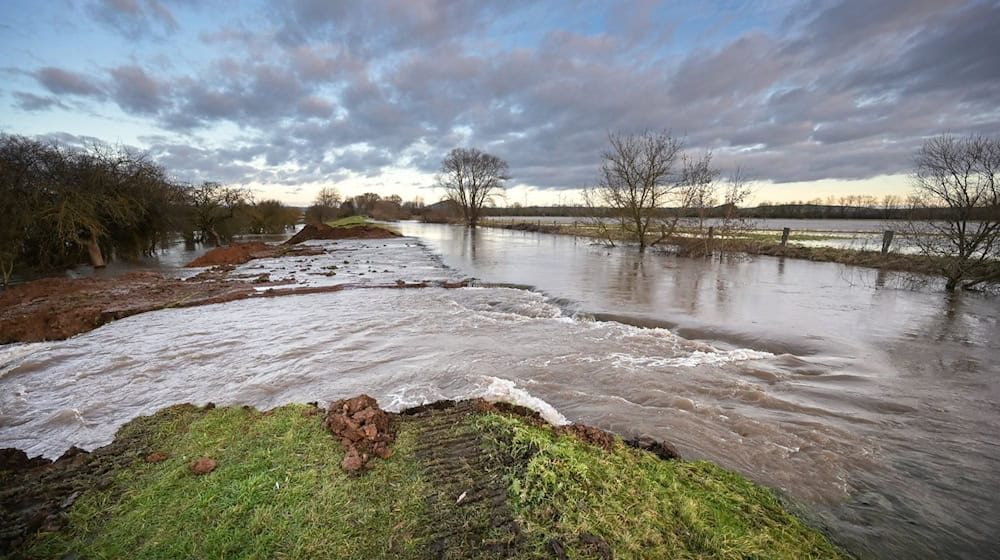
<point>463,481</point>
<point>354,221</point>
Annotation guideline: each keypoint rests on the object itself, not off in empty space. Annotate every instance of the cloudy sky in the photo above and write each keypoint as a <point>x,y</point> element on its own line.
<point>809,98</point>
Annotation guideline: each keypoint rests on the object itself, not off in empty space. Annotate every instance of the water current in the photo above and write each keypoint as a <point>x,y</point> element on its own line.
<point>870,401</point>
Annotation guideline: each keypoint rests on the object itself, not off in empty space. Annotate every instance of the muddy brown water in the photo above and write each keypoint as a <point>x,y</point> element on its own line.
<point>872,401</point>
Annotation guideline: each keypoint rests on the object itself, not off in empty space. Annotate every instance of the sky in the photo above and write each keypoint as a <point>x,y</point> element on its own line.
<point>809,99</point>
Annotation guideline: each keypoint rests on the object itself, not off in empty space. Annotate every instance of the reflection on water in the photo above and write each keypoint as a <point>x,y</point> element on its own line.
<point>874,406</point>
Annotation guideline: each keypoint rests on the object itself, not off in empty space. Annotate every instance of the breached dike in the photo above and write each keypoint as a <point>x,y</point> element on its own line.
<point>463,479</point>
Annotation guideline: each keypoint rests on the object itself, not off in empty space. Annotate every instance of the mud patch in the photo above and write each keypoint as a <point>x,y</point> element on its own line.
<point>662,449</point>
<point>470,516</point>
<point>57,308</point>
<point>239,253</point>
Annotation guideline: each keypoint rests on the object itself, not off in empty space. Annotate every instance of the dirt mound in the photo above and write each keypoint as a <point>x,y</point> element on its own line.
<point>323,231</point>
<point>364,429</point>
<point>237,253</point>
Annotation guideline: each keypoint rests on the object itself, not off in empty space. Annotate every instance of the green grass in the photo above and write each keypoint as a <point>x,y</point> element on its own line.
<point>350,221</point>
<point>642,507</point>
<point>278,492</point>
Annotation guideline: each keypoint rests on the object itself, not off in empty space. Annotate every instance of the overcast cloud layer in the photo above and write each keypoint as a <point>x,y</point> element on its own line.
<point>303,91</point>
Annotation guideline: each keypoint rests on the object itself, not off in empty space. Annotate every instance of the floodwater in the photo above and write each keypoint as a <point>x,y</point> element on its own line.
<point>870,401</point>
<point>863,235</point>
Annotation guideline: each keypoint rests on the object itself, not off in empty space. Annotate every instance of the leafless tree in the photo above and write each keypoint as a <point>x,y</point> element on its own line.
<point>732,224</point>
<point>325,206</point>
<point>640,178</point>
<point>956,187</point>
<point>472,178</point>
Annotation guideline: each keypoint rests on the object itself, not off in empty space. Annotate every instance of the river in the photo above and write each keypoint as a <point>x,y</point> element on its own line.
<point>871,401</point>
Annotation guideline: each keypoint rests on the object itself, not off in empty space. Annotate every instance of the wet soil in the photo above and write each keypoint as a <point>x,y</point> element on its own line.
<point>239,253</point>
<point>58,308</point>
<point>323,231</point>
<point>469,514</point>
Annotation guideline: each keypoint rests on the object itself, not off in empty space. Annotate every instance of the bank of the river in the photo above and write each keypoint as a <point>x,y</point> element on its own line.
<point>758,245</point>
<point>58,308</point>
<point>461,480</point>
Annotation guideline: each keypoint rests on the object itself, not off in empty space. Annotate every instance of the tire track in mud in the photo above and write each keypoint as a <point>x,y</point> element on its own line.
<point>469,515</point>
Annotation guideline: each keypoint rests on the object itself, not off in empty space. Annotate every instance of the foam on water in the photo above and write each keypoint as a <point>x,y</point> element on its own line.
<point>507,391</point>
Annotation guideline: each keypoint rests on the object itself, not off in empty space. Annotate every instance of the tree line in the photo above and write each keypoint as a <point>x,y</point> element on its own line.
<point>62,206</point>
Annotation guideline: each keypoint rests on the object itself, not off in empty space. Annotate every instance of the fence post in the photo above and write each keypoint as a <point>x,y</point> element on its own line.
<point>784,236</point>
<point>887,240</point>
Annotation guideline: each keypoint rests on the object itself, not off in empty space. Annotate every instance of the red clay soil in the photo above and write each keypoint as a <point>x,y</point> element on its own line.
<point>239,253</point>
<point>364,428</point>
<point>58,308</point>
<point>323,231</point>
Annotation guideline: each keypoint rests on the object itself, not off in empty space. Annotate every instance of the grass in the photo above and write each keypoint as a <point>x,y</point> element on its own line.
<point>279,492</point>
<point>350,221</point>
<point>640,506</point>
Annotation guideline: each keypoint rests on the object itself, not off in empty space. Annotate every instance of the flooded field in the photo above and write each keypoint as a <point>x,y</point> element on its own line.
<point>872,401</point>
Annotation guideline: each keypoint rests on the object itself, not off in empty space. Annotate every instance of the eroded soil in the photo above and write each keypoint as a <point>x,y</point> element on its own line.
<point>239,253</point>
<point>58,308</point>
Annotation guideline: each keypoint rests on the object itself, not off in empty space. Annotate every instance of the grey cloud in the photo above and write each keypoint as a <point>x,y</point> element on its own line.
<point>60,81</point>
<point>390,82</point>
<point>134,18</point>
<point>30,102</point>
<point>744,67</point>
<point>315,107</point>
<point>957,53</point>
<point>133,89</point>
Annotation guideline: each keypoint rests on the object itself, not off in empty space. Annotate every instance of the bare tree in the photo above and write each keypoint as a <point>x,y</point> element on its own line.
<point>640,178</point>
<point>732,224</point>
<point>956,192</point>
<point>698,191</point>
<point>472,179</point>
<point>325,206</point>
